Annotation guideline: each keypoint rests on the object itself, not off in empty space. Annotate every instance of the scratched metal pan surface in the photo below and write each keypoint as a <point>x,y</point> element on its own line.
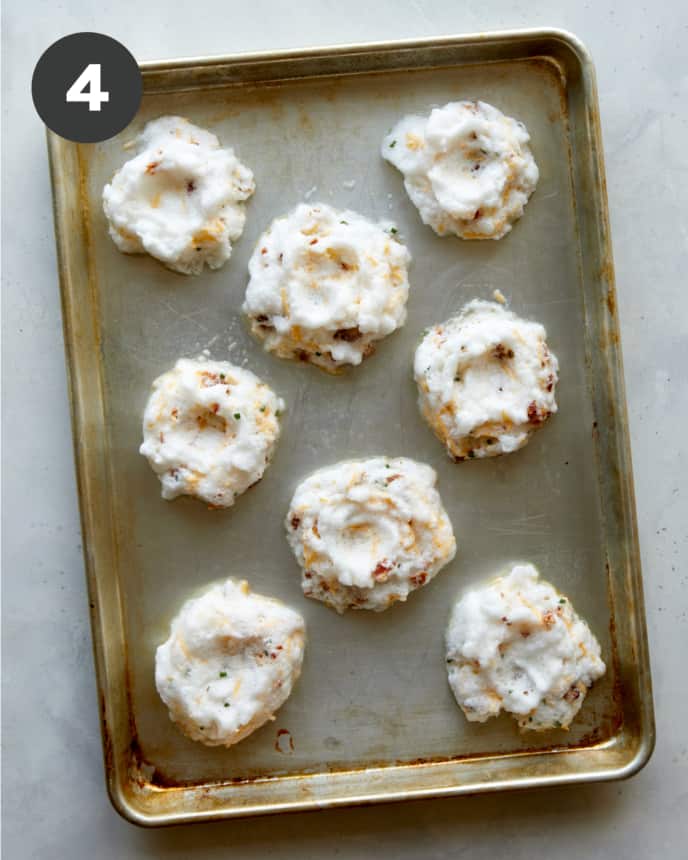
<point>372,717</point>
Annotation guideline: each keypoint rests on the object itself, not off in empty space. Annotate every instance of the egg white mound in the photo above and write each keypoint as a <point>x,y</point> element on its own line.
<point>486,380</point>
<point>230,662</point>
<point>467,168</point>
<point>369,532</point>
<point>517,644</point>
<point>180,199</point>
<point>326,285</point>
<point>210,430</point>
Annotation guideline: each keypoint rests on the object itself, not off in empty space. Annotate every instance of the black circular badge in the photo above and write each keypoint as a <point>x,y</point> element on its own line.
<point>86,87</point>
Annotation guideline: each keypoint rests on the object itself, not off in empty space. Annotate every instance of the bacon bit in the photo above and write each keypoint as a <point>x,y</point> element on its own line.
<point>533,414</point>
<point>190,187</point>
<point>525,633</point>
<point>392,478</point>
<point>381,571</point>
<point>215,407</point>
<point>273,656</point>
<point>478,214</point>
<point>281,257</point>
<point>278,647</point>
<point>550,381</point>
<point>313,242</point>
<point>347,334</point>
<point>302,355</point>
<point>500,352</point>
<point>572,694</point>
<point>175,412</point>
<point>150,168</point>
<point>262,318</point>
<point>308,574</point>
<point>162,438</point>
<point>505,619</point>
<point>295,522</point>
<point>263,250</point>
<point>548,619</point>
<point>419,578</point>
<point>345,266</point>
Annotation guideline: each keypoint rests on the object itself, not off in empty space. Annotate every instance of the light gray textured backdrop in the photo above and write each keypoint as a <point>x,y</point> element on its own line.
<point>54,799</point>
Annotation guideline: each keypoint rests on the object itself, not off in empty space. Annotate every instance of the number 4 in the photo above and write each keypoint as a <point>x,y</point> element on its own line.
<point>90,77</point>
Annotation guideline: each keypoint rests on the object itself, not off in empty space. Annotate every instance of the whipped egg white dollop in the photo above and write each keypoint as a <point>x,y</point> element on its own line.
<point>467,168</point>
<point>180,199</point>
<point>486,380</point>
<point>210,430</point>
<point>367,533</point>
<point>231,660</point>
<point>326,285</point>
<point>516,644</point>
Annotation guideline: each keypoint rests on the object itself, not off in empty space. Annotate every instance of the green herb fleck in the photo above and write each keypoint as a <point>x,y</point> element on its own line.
<point>278,414</point>
<point>237,415</point>
<point>557,724</point>
<point>393,144</point>
<point>226,704</point>
<point>563,600</point>
<point>393,231</point>
<point>318,354</point>
<point>344,222</point>
<point>263,408</point>
<point>222,377</point>
<point>223,674</point>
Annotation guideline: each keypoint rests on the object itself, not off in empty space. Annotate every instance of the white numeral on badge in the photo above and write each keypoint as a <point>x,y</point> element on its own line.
<point>90,77</point>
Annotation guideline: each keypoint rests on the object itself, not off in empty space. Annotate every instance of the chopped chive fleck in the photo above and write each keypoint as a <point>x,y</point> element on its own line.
<point>393,231</point>
<point>563,600</point>
<point>557,725</point>
<point>263,408</point>
<point>223,674</point>
<point>237,415</point>
<point>278,414</point>
<point>318,354</point>
<point>226,704</point>
<point>222,377</point>
<point>344,222</point>
<point>393,144</point>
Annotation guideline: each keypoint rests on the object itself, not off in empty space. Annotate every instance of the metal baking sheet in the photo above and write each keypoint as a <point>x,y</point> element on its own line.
<point>372,717</point>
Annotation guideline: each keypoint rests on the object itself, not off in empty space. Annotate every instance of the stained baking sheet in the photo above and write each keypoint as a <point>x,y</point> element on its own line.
<point>372,717</point>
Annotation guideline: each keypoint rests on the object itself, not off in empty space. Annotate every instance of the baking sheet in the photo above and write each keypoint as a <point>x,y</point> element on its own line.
<point>372,717</point>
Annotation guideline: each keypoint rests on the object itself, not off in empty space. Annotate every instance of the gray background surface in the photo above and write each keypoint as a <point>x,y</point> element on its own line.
<point>54,801</point>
